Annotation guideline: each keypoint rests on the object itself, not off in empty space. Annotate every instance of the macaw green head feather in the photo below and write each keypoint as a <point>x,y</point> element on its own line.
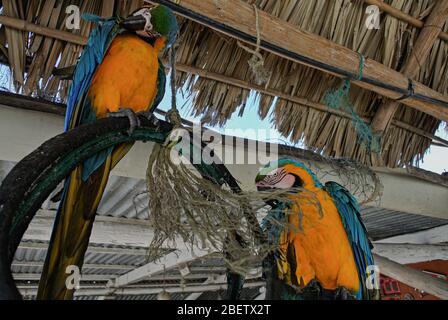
<point>164,23</point>
<point>153,22</point>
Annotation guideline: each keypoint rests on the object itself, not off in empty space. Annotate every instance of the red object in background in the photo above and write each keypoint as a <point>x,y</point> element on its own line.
<point>392,289</point>
<point>390,286</point>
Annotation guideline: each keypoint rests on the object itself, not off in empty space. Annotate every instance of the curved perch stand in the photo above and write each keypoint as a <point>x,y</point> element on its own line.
<point>32,180</point>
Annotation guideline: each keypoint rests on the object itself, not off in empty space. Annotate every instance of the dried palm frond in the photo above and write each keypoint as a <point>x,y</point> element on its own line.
<point>342,21</point>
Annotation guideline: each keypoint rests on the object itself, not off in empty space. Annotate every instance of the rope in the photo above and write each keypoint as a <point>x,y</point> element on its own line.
<point>411,91</point>
<point>256,63</point>
<point>362,61</point>
<point>173,115</point>
<point>340,99</point>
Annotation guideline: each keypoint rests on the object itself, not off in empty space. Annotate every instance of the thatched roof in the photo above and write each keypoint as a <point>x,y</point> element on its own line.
<point>33,57</point>
<point>200,48</point>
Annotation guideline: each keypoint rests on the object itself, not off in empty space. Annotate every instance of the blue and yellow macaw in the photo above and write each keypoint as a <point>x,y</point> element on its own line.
<point>322,247</point>
<point>118,74</point>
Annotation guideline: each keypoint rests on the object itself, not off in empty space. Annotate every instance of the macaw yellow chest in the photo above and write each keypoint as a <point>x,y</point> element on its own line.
<point>320,249</point>
<point>127,77</point>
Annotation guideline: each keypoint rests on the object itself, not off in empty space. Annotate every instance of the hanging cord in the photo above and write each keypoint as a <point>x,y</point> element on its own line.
<point>411,91</point>
<point>173,115</point>
<point>164,295</point>
<point>340,99</point>
<point>256,63</point>
<point>336,99</point>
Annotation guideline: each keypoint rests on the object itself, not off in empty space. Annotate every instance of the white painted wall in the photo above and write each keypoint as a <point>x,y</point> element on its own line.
<point>22,131</point>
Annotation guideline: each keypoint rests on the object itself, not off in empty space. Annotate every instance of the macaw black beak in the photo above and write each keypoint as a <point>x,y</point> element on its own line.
<point>264,189</point>
<point>271,202</point>
<point>134,23</point>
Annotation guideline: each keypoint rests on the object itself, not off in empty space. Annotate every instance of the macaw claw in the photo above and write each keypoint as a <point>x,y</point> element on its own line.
<point>134,121</point>
<point>151,117</point>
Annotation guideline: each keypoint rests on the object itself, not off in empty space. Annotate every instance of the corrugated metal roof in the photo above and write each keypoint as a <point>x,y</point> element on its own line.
<point>382,223</point>
<point>105,263</point>
<point>173,296</point>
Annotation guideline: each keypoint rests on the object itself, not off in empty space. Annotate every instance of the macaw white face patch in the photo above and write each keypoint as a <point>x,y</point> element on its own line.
<point>148,31</point>
<point>278,179</point>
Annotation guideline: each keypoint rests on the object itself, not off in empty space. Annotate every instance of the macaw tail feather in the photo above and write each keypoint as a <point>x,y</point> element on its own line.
<point>73,226</point>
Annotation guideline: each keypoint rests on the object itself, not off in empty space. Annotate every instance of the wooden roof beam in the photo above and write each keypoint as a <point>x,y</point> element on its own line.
<point>406,253</point>
<point>422,48</point>
<point>233,18</point>
<point>23,25</point>
<point>202,73</point>
<point>400,15</point>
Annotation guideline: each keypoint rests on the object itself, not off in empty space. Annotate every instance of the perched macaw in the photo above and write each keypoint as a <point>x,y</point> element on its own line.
<point>322,249</point>
<point>118,74</point>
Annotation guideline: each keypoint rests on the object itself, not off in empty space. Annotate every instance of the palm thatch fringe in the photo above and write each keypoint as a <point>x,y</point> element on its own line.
<point>342,21</point>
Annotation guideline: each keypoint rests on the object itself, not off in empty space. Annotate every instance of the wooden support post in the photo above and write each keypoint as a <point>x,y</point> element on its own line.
<point>413,278</point>
<point>422,48</point>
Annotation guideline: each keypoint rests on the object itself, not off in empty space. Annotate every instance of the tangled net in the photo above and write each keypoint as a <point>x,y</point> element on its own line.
<point>183,205</point>
<point>361,181</point>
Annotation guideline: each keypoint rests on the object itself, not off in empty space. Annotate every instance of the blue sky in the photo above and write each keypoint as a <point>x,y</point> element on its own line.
<point>436,159</point>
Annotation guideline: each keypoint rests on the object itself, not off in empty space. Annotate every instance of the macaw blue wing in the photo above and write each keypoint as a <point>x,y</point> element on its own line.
<point>161,87</point>
<point>349,211</point>
<point>79,110</point>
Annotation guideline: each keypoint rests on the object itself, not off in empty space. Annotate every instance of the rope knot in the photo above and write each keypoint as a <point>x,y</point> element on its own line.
<point>261,74</point>
<point>173,117</point>
<point>256,63</point>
